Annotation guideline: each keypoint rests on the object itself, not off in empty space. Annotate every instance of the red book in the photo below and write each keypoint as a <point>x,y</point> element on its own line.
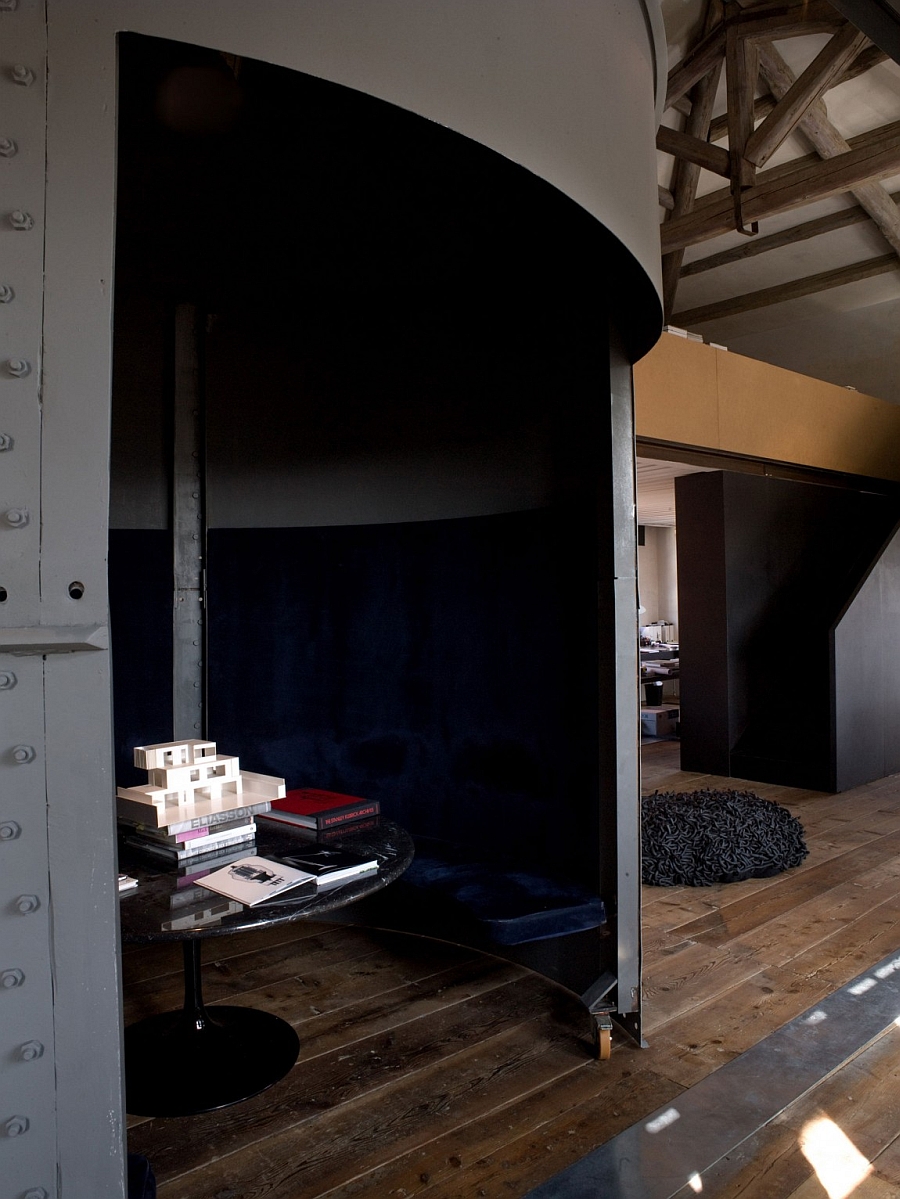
<point>321,809</point>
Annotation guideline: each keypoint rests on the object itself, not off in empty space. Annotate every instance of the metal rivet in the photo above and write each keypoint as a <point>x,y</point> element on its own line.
<point>36,1193</point>
<point>9,830</point>
<point>6,293</point>
<point>22,75</point>
<point>26,904</point>
<point>21,220</point>
<point>16,1125</point>
<point>16,518</point>
<point>18,367</point>
<point>7,680</point>
<point>31,1051</point>
<point>11,978</point>
<point>8,147</point>
<point>6,442</point>
<point>23,754</point>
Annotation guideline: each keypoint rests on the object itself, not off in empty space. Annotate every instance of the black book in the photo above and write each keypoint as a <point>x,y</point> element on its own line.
<point>330,865</point>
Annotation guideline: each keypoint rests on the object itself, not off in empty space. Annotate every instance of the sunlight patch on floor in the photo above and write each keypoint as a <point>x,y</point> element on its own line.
<point>839,1165</point>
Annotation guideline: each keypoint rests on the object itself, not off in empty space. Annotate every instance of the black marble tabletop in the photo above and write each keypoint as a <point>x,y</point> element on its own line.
<point>168,905</point>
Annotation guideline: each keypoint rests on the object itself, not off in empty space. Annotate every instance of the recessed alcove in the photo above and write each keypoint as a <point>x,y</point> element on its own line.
<point>399,346</point>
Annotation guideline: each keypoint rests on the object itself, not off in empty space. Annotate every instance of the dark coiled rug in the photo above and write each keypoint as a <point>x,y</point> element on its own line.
<point>697,838</point>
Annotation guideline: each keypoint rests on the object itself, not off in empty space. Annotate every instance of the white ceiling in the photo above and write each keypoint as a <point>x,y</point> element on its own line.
<point>849,335</point>
<point>656,489</point>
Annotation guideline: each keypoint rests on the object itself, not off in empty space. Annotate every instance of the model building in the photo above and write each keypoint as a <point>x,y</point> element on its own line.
<point>196,800</point>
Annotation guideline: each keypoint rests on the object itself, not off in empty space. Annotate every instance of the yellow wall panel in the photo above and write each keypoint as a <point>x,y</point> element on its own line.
<point>675,392</point>
<point>694,395</point>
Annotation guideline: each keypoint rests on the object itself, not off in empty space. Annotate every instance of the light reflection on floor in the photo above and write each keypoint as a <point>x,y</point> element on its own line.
<point>839,1165</point>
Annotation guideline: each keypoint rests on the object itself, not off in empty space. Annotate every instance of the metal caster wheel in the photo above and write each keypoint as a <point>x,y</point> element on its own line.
<point>602,1036</point>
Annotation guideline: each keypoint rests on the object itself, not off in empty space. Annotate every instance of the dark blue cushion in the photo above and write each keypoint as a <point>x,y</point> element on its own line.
<point>511,906</point>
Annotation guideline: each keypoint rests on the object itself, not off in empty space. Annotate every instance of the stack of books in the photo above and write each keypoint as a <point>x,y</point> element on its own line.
<point>197,801</point>
<point>187,839</point>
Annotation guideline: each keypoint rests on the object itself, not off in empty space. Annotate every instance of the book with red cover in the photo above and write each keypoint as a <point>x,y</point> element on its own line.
<point>320,809</point>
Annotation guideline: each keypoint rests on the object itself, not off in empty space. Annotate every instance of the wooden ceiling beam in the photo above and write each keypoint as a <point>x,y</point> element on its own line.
<point>687,174</point>
<point>792,20</point>
<point>793,290</point>
<point>865,61</point>
<point>806,90</point>
<point>741,71</point>
<point>781,190</point>
<point>830,145</point>
<point>870,140</point>
<point>697,63</point>
<point>693,149</point>
<point>785,237</point>
<point>762,106</point>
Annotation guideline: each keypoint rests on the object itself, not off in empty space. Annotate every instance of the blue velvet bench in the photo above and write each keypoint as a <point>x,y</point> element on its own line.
<point>546,923</point>
<point>509,906</point>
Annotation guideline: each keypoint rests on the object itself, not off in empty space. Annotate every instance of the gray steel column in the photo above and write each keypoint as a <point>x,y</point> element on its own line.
<point>64,633</point>
<point>627,702</point>
<point>28,1100</point>
<point>188,533</point>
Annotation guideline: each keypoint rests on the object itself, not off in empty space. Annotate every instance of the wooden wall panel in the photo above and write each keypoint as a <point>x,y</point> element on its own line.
<point>675,393</point>
<point>768,412</point>
<point>694,395</point>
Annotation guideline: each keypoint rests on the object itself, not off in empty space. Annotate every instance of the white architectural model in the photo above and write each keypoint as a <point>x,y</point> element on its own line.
<point>189,781</point>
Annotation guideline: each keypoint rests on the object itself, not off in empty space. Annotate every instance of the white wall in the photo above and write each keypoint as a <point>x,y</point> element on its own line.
<point>657,577</point>
<point>859,348</point>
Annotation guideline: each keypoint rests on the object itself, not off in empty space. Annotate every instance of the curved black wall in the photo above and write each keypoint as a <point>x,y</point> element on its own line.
<point>405,376</point>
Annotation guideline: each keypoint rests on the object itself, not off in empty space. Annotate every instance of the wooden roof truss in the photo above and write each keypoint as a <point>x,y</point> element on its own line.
<point>765,103</point>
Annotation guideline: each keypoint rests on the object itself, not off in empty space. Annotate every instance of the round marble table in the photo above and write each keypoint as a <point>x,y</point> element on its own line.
<point>199,1059</point>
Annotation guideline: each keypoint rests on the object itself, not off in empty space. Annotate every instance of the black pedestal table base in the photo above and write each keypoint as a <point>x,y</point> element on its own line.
<point>200,1059</point>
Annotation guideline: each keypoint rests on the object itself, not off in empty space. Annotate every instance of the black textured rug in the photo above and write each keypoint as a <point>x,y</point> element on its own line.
<point>697,838</point>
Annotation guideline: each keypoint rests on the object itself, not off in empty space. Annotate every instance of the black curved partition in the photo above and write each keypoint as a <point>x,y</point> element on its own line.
<point>405,361</point>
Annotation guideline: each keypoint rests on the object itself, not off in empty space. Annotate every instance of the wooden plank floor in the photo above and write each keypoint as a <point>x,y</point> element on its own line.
<point>431,1070</point>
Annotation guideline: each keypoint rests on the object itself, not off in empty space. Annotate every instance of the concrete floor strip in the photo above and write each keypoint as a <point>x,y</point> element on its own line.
<point>670,1149</point>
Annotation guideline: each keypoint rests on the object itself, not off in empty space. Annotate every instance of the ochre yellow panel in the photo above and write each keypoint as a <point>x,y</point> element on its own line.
<point>675,392</point>
<point>688,393</point>
<point>768,412</point>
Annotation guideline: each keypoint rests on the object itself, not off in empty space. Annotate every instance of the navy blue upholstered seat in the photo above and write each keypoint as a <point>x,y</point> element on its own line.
<point>511,907</point>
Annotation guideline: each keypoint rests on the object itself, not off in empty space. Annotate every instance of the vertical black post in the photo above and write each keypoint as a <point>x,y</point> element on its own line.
<point>188,535</point>
<point>193,988</point>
